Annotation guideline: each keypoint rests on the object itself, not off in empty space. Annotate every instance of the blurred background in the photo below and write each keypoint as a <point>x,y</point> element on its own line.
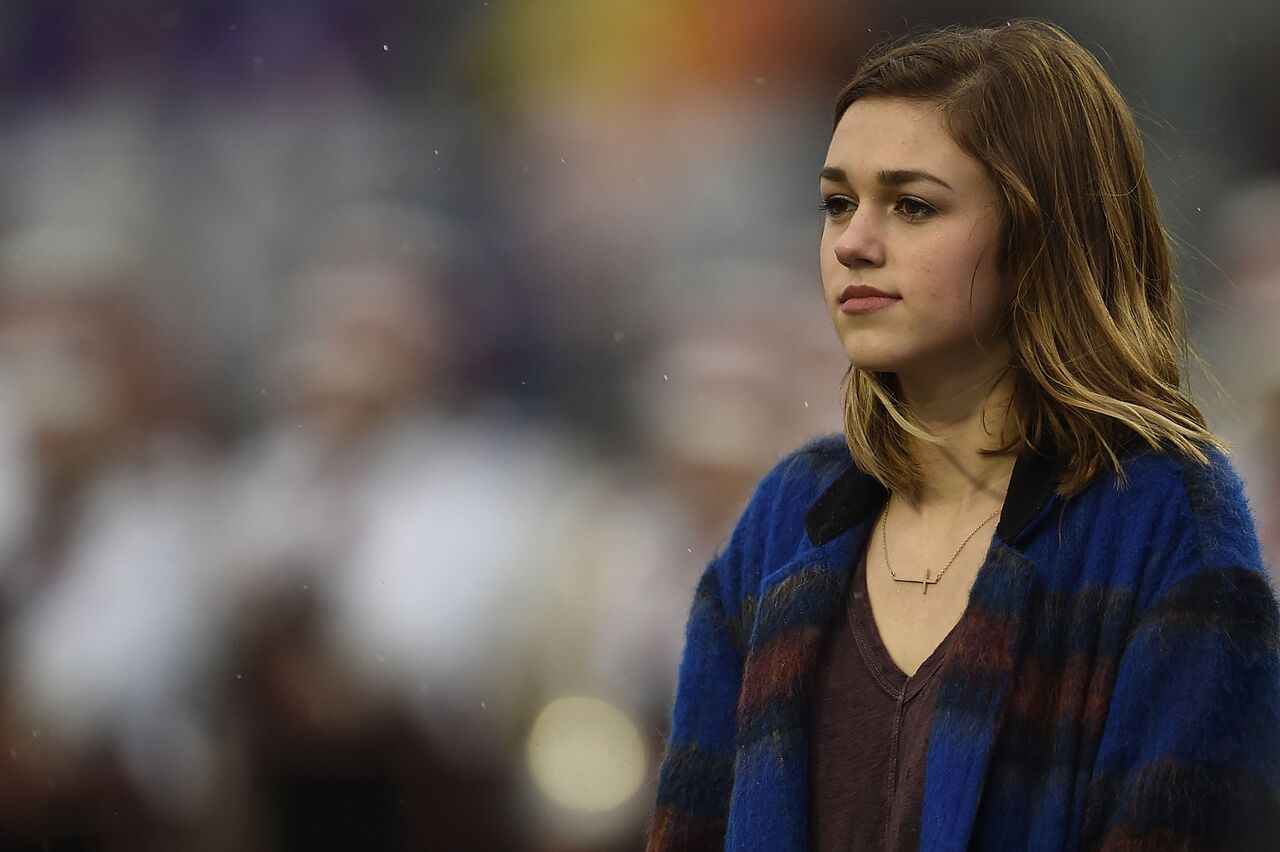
<point>376,378</point>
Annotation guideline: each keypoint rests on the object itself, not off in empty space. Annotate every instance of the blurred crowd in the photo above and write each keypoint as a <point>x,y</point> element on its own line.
<point>377,378</point>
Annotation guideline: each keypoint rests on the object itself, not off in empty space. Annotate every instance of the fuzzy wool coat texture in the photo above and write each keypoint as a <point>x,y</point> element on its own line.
<point>1115,682</point>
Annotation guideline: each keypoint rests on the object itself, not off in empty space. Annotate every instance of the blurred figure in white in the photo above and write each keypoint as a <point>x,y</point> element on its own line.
<point>379,546</point>
<point>104,629</point>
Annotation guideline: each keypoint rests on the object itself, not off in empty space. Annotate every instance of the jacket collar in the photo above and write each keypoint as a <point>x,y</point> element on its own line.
<point>855,495</point>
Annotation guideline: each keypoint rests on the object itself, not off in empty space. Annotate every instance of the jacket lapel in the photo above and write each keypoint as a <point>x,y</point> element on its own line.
<point>795,604</point>
<point>979,674</point>
<point>975,686</point>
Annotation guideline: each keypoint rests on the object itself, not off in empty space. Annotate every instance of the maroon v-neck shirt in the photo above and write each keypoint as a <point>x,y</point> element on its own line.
<point>869,727</point>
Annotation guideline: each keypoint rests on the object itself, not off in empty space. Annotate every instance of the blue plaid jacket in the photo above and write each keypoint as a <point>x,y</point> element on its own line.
<point>1115,685</point>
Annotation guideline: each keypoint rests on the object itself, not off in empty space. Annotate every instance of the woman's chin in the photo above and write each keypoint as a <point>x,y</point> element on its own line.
<point>872,364</point>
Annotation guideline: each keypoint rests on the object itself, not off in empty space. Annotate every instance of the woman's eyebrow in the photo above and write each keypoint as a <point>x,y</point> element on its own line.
<point>833,174</point>
<point>894,177</point>
<point>887,177</point>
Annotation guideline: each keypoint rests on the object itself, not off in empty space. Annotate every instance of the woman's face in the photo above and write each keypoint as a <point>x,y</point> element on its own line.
<point>911,215</point>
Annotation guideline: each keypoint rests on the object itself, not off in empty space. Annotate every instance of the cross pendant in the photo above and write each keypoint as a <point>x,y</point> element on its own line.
<point>924,584</point>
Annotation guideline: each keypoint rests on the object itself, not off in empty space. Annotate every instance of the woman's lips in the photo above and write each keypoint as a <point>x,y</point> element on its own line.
<point>866,304</point>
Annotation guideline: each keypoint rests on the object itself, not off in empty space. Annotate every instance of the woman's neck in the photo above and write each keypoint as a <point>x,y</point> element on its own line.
<point>970,414</point>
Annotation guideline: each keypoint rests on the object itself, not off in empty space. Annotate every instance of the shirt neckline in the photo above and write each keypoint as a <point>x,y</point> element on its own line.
<point>888,675</point>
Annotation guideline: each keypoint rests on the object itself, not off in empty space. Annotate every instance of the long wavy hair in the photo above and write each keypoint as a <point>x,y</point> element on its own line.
<point>1095,321</point>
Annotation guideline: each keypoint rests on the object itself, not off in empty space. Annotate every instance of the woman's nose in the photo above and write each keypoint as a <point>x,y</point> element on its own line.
<point>861,243</point>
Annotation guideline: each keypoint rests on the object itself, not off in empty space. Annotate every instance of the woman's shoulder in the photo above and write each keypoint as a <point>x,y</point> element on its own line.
<point>795,482</point>
<point>1209,493</point>
<point>771,528</point>
<point>1190,516</point>
<point>807,470</point>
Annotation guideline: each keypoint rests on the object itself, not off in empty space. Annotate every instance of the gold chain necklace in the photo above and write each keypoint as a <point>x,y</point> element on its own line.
<point>927,581</point>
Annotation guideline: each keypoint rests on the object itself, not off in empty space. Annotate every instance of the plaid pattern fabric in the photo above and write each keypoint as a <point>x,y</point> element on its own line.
<point>1115,684</point>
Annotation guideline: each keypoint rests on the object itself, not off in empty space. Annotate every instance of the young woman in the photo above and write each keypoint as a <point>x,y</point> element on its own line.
<point>1020,602</point>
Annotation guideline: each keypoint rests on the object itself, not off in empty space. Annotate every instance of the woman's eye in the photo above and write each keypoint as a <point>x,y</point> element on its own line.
<point>914,208</point>
<point>836,205</point>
